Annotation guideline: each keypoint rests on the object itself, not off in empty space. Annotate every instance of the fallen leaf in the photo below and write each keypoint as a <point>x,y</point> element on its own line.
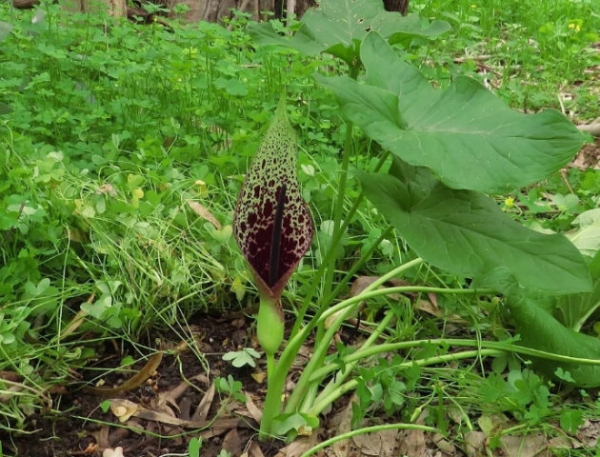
<point>253,450</point>
<point>129,408</point>
<point>259,376</point>
<point>116,452</point>
<point>232,442</point>
<point>475,444</point>
<point>204,213</point>
<point>123,409</point>
<point>589,432</point>
<point>525,446</point>
<point>201,412</point>
<point>342,423</point>
<point>412,442</point>
<point>254,410</point>
<point>298,447</point>
<point>443,444</point>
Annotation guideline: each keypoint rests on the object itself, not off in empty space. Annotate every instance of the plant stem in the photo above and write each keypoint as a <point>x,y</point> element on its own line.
<point>486,345</point>
<point>323,343</point>
<point>398,290</point>
<point>365,430</point>
<point>329,259</point>
<point>324,402</point>
<point>272,405</point>
<point>347,368</point>
<point>339,203</point>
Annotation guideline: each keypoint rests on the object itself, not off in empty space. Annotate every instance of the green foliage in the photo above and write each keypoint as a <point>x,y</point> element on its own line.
<point>455,131</point>
<point>431,193</point>
<point>465,232</point>
<point>337,28</point>
<point>121,153</point>
<point>230,388</point>
<point>242,358</point>
<point>194,447</point>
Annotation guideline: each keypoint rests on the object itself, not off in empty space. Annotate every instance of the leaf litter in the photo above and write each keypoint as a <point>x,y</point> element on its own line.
<point>184,402</point>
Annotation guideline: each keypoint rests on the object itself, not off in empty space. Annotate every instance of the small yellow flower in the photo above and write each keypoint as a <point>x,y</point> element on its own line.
<point>575,26</point>
<point>509,202</point>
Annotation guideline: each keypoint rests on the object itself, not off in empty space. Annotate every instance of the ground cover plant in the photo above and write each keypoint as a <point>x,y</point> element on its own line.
<point>123,159</point>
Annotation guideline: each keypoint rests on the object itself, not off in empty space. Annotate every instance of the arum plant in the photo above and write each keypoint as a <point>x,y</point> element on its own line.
<point>450,149</point>
<point>273,228</point>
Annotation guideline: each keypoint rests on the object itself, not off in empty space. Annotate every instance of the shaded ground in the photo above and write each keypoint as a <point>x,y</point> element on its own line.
<point>166,406</point>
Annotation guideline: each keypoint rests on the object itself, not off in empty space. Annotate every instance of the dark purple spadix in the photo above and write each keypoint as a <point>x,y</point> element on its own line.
<point>272,224</point>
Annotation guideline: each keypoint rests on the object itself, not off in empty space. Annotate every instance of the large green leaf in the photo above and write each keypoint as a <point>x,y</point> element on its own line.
<point>467,136</point>
<point>466,233</point>
<point>338,26</point>
<point>540,330</point>
<point>587,237</point>
<point>574,310</point>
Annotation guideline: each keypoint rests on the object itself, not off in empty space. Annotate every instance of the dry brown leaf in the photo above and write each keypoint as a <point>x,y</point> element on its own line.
<point>232,442</point>
<point>342,421</point>
<point>299,447</point>
<point>254,410</point>
<point>378,444</point>
<point>443,444</point>
<point>412,443</point>
<point>259,376</point>
<point>170,397</point>
<point>589,432</point>
<point>475,444</point>
<point>204,213</point>
<point>253,450</point>
<point>127,408</point>
<point>560,442</point>
<point>389,442</point>
<point>201,412</point>
<point>101,437</point>
<point>525,446</point>
<point>123,409</point>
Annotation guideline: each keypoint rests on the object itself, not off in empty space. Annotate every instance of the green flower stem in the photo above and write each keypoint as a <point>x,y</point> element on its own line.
<point>276,380</point>
<point>269,330</point>
<point>364,431</point>
<point>323,402</point>
<point>320,351</point>
<point>272,405</point>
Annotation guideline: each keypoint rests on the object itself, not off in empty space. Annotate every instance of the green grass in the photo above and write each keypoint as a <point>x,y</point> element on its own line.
<point>115,129</point>
<point>531,52</point>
